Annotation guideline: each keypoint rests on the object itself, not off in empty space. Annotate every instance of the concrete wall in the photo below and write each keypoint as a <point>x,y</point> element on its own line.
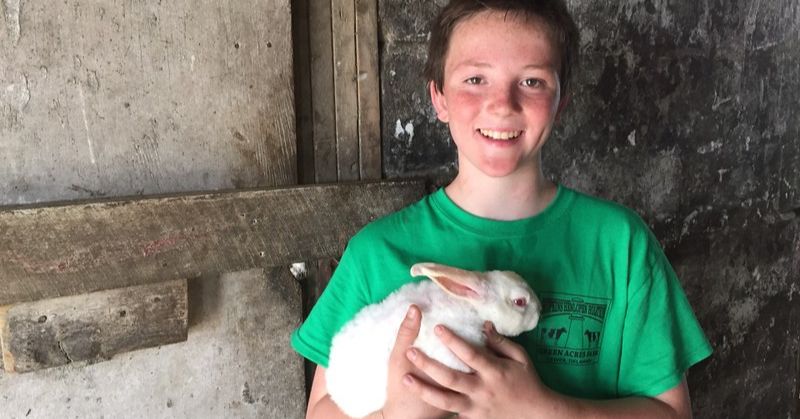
<point>108,98</point>
<point>684,111</point>
<point>102,98</point>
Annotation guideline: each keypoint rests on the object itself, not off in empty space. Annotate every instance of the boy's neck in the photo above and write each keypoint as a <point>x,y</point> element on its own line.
<point>502,198</point>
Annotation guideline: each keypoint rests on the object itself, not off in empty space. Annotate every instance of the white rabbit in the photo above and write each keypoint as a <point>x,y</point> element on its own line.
<point>461,300</point>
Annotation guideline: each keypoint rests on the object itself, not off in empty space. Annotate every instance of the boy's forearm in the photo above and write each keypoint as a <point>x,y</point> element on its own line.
<point>326,408</point>
<point>632,407</point>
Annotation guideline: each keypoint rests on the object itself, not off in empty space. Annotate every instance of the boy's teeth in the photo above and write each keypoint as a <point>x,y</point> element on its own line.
<point>500,135</point>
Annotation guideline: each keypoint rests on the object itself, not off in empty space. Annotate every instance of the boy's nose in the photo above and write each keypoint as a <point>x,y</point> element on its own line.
<point>503,101</point>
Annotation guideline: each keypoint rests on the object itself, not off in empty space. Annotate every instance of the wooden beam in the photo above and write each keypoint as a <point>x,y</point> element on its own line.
<point>73,249</point>
<point>346,89</point>
<point>369,106</point>
<point>92,327</point>
<point>322,92</point>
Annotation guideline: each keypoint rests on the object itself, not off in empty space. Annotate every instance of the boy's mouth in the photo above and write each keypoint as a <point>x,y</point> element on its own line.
<point>499,135</point>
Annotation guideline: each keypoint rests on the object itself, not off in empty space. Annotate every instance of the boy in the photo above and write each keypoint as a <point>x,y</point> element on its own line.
<point>616,334</point>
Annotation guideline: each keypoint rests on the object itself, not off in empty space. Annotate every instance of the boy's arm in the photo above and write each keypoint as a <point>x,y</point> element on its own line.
<point>320,404</point>
<point>400,403</point>
<point>505,384</point>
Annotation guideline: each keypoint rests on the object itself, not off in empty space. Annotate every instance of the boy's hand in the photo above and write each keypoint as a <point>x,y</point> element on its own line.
<point>504,384</point>
<point>400,403</point>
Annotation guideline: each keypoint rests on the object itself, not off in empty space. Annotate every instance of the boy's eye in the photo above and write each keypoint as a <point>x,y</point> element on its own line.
<point>532,83</point>
<point>473,80</point>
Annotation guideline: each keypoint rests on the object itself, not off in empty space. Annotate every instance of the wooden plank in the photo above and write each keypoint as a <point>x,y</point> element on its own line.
<point>345,89</point>
<point>5,356</point>
<point>369,107</point>
<point>79,248</point>
<point>93,327</point>
<point>322,91</point>
<point>303,92</point>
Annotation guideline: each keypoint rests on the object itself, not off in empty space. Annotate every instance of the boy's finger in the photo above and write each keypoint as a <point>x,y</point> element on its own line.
<point>409,329</point>
<point>504,346</point>
<point>443,375</point>
<point>437,397</point>
<point>468,354</point>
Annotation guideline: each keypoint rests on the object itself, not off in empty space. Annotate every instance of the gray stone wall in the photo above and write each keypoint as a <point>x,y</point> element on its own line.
<point>685,112</point>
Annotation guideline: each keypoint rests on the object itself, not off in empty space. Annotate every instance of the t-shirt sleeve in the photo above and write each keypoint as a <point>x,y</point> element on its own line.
<point>342,298</point>
<point>661,336</point>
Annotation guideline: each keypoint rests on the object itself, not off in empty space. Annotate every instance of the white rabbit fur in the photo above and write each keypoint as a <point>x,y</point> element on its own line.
<point>359,357</point>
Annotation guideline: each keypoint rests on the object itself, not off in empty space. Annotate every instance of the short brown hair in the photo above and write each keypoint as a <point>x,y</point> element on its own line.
<point>553,13</point>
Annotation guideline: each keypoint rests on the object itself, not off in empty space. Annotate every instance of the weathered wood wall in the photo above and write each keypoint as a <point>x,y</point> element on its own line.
<point>338,85</point>
<point>73,249</point>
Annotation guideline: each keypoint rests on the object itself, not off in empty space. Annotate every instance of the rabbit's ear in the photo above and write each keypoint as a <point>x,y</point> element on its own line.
<point>456,282</point>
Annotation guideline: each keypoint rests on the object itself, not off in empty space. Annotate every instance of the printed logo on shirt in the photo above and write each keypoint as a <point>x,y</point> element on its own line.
<point>570,329</point>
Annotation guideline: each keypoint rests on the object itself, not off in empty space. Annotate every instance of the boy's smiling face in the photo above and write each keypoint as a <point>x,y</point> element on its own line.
<point>501,92</point>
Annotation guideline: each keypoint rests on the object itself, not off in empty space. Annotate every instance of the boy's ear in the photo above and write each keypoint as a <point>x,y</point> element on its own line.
<point>562,104</point>
<point>439,102</point>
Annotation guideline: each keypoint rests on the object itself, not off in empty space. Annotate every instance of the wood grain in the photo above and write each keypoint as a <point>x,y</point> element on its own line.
<point>346,89</point>
<point>369,114</point>
<point>73,249</point>
<point>322,91</point>
<point>93,327</point>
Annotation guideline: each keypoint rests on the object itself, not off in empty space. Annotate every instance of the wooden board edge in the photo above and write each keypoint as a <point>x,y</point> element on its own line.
<point>7,357</point>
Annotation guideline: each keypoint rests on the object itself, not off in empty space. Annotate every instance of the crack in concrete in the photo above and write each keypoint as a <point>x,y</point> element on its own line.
<point>64,351</point>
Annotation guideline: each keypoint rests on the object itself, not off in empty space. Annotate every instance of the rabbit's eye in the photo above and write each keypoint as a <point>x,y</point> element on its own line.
<point>520,302</point>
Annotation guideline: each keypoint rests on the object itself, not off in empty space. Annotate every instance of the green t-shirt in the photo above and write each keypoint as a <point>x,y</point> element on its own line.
<point>615,321</point>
